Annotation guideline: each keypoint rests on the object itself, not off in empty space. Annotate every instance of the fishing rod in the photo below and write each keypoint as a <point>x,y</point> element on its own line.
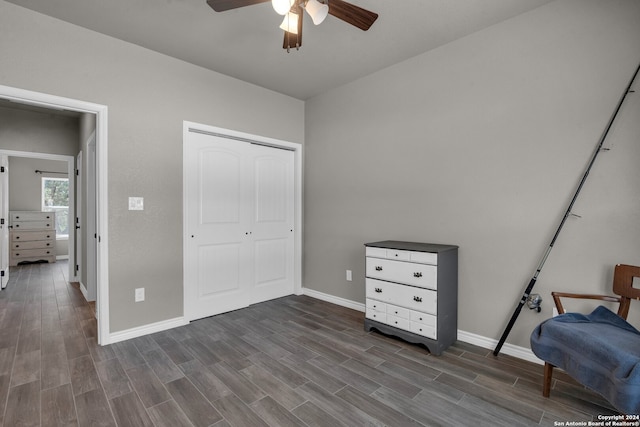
<point>532,282</point>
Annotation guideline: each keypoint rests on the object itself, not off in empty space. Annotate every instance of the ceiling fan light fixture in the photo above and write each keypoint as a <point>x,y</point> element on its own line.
<point>282,6</point>
<point>318,11</point>
<point>290,23</point>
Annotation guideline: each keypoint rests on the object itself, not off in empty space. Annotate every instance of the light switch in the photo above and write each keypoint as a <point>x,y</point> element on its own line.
<point>136,203</point>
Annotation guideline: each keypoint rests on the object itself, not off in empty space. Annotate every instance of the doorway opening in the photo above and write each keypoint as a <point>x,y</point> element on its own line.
<point>97,177</point>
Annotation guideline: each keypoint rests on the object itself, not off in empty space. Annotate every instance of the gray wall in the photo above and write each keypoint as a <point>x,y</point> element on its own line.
<point>481,143</point>
<point>33,131</point>
<point>148,96</point>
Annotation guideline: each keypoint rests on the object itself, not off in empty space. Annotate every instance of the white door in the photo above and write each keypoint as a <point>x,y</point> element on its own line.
<point>239,222</point>
<point>272,218</point>
<point>77,231</point>
<point>91,241</point>
<point>4,225</point>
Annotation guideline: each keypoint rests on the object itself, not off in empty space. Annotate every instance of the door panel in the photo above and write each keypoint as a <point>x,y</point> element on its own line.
<point>219,269</point>
<point>220,184</point>
<point>217,244</point>
<point>273,242</point>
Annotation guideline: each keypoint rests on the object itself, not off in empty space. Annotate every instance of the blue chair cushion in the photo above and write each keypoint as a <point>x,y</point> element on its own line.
<point>599,350</point>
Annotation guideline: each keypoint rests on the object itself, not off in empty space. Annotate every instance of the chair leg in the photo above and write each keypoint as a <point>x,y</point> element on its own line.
<point>548,372</point>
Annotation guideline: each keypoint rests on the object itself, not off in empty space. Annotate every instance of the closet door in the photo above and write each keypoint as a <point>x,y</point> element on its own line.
<point>272,223</point>
<point>217,250</point>
<point>239,222</point>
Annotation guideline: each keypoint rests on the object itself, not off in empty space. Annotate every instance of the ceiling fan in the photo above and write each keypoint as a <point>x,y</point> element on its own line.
<point>292,10</point>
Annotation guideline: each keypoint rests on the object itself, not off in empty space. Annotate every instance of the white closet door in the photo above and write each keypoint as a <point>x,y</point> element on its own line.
<point>217,251</point>
<point>272,235</point>
<point>239,213</point>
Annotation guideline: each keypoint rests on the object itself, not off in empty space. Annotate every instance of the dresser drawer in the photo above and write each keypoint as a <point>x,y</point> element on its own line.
<point>31,216</point>
<point>31,253</point>
<point>418,299</point>
<point>394,310</point>
<point>398,322</point>
<point>424,318</point>
<point>22,236</point>
<point>424,330</point>
<point>376,315</point>
<point>421,275</point>
<point>32,244</point>
<point>376,305</point>
<point>403,255</point>
<point>34,225</point>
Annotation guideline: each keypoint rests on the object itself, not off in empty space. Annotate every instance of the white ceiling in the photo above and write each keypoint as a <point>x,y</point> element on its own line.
<point>246,43</point>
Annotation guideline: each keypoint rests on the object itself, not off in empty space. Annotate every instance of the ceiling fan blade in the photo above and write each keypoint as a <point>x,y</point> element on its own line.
<point>352,14</point>
<point>222,5</point>
<point>294,41</point>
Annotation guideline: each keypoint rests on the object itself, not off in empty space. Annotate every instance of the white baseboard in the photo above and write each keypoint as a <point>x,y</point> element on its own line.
<point>333,299</point>
<point>83,289</point>
<point>146,329</point>
<point>490,343</point>
<point>468,337</point>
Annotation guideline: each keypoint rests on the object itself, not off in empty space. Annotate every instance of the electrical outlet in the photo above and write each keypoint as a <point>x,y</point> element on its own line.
<point>349,276</point>
<point>139,297</point>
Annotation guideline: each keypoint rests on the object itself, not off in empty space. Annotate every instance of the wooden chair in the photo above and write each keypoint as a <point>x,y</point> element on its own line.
<point>622,287</point>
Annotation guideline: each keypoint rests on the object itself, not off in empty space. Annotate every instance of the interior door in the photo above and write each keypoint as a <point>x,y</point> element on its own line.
<point>4,223</point>
<point>272,218</point>
<point>239,247</point>
<point>217,249</point>
<point>77,231</point>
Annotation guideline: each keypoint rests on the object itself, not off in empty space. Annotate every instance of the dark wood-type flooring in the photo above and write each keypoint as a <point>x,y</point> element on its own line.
<point>295,361</point>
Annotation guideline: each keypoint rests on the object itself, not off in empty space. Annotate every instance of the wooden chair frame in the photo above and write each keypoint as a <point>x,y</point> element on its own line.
<point>622,285</point>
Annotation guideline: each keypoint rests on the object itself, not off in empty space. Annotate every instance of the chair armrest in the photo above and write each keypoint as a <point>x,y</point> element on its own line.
<point>557,295</point>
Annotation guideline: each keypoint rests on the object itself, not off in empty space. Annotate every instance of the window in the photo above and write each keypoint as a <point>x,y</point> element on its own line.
<point>55,198</point>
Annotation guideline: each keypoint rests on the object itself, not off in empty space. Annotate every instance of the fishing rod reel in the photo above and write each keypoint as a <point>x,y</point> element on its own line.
<point>534,301</point>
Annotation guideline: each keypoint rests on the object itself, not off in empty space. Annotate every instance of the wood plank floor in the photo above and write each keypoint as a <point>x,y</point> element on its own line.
<point>295,361</point>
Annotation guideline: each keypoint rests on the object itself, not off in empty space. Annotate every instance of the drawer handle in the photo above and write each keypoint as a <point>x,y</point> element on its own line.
<point>17,225</point>
<point>378,268</point>
<point>17,254</point>
<point>17,237</point>
<point>48,244</point>
<point>17,246</point>
<point>418,274</point>
<point>417,299</point>
<point>396,311</point>
<point>379,290</point>
<point>48,236</point>
<point>396,322</point>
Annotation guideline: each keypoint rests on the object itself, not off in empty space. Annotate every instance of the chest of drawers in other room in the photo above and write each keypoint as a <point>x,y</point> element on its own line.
<point>32,237</point>
<point>412,292</point>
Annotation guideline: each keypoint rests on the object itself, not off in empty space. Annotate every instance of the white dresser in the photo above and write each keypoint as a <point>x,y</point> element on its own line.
<point>32,237</point>
<point>412,292</point>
